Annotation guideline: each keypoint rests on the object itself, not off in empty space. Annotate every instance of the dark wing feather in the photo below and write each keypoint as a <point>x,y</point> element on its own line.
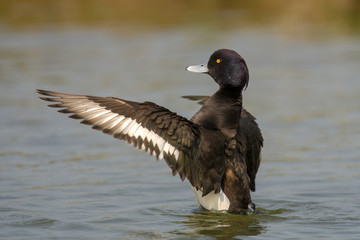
<point>200,99</point>
<point>249,139</point>
<point>250,135</point>
<point>147,126</point>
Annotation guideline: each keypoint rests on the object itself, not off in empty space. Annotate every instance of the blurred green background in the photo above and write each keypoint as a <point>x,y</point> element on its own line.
<point>297,18</point>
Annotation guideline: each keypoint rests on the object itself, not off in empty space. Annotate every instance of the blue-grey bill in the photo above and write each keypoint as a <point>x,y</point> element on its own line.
<point>198,68</point>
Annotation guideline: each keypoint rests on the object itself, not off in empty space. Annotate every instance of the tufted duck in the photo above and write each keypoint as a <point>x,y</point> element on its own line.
<point>217,150</point>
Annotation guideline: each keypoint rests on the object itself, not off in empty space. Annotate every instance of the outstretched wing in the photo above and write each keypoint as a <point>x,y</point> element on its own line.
<point>147,126</point>
<point>249,139</point>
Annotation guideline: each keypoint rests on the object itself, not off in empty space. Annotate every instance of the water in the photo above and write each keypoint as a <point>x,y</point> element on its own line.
<point>60,179</point>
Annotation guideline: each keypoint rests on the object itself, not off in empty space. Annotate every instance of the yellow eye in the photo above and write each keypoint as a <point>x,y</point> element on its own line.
<point>218,60</point>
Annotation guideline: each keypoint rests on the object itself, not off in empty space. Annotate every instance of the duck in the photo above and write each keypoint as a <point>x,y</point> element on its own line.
<point>218,150</point>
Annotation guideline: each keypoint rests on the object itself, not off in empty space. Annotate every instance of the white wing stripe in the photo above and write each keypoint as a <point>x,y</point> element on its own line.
<point>171,149</point>
<point>90,109</point>
<point>98,113</point>
<point>151,137</point>
<point>129,126</point>
<point>114,122</point>
<point>166,147</point>
<point>90,113</point>
<point>73,107</point>
<point>154,138</point>
<point>106,118</point>
<point>120,124</point>
<point>93,111</point>
<point>176,153</point>
<point>75,101</point>
<point>142,132</point>
<point>134,129</point>
<point>161,142</point>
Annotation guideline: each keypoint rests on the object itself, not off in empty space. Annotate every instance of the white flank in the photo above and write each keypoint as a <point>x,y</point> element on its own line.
<point>212,201</point>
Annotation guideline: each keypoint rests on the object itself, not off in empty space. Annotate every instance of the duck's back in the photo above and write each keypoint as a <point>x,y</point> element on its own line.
<point>248,138</point>
<point>240,139</point>
<point>250,142</point>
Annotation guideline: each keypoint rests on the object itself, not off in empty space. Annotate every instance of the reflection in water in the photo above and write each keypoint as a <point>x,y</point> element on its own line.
<point>226,226</point>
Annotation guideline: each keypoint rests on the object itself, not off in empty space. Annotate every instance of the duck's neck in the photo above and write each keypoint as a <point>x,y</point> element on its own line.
<point>221,110</point>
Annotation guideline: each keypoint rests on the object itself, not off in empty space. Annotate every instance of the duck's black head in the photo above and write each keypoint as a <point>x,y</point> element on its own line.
<point>227,68</point>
